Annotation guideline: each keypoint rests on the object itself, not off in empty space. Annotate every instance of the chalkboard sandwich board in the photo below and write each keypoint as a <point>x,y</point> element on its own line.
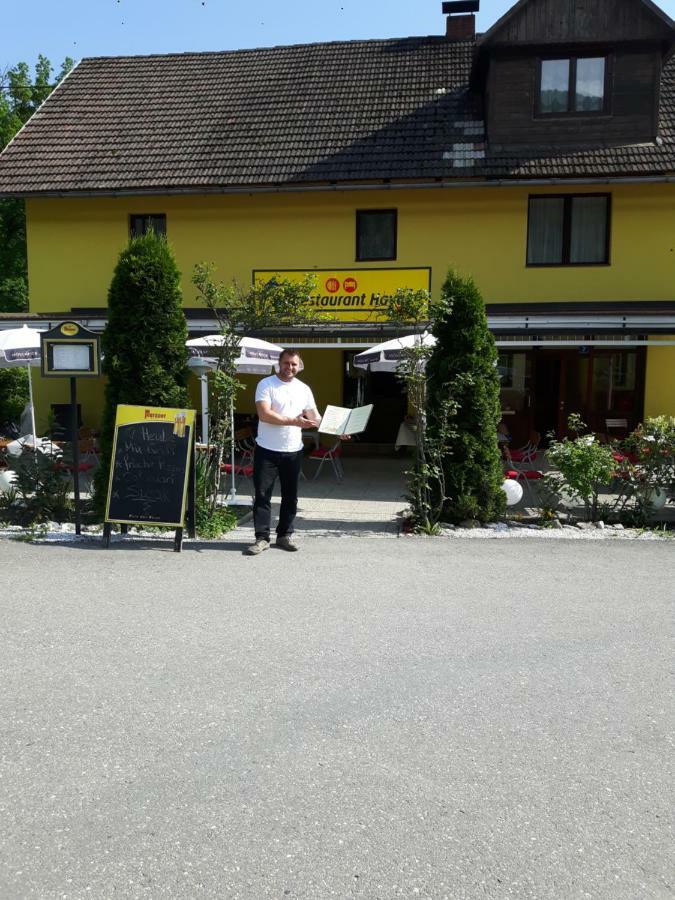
<point>150,466</point>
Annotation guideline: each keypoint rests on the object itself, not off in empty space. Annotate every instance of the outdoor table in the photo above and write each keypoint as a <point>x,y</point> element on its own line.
<point>406,436</point>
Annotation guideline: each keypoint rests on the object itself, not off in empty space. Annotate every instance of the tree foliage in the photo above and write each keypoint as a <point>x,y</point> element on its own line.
<point>583,467</point>
<point>13,395</point>
<point>239,311</point>
<point>462,369</point>
<point>145,357</point>
<point>411,310</point>
<point>20,96</point>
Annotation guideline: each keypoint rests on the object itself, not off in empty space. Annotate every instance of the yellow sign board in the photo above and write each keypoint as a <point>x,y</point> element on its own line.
<point>150,466</point>
<point>352,295</point>
<point>134,415</point>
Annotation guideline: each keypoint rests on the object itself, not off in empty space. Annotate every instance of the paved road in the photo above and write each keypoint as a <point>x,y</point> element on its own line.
<point>373,718</point>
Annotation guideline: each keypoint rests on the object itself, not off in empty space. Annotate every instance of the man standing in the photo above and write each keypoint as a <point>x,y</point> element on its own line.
<point>285,406</point>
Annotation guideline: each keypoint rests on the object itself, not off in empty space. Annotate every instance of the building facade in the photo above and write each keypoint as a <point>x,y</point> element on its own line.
<point>538,158</point>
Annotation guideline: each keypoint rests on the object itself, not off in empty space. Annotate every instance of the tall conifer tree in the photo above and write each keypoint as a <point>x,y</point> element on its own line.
<point>463,366</point>
<point>145,357</point>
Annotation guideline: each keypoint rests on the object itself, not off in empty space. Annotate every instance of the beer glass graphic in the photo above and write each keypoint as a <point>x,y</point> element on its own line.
<point>179,423</point>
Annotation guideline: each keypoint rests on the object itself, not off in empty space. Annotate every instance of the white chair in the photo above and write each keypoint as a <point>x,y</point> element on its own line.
<point>333,454</point>
<point>616,425</point>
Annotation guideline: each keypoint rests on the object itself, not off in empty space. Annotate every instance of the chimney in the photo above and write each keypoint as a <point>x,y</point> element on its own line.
<point>461,22</point>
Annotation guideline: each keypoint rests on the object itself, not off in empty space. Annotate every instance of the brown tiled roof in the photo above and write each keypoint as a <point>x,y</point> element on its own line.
<point>313,113</point>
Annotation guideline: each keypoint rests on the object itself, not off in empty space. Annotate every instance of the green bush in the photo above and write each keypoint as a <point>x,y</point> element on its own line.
<point>462,369</point>
<point>39,494</point>
<point>652,447</point>
<point>212,523</point>
<point>210,520</point>
<point>584,466</point>
<point>13,394</point>
<point>648,468</point>
<point>145,357</point>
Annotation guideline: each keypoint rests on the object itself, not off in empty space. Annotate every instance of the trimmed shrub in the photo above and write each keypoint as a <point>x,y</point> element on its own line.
<point>145,357</point>
<point>462,369</point>
<point>13,395</point>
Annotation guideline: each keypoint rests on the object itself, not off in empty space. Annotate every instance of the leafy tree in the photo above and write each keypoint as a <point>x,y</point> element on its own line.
<point>463,369</point>
<point>145,357</point>
<point>19,98</point>
<point>13,395</point>
<point>411,310</point>
<point>239,310</point>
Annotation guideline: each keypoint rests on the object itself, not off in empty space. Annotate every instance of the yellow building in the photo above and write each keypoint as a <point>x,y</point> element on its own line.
<point>539,158</point>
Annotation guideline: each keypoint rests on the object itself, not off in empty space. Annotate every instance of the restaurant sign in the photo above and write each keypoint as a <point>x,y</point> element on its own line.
<point>352,295</point>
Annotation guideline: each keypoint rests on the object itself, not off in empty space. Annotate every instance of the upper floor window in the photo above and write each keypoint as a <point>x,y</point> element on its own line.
<point>142,223</point>
<point>575,84</point>
<point>568,230</point>
<point>376,234</point>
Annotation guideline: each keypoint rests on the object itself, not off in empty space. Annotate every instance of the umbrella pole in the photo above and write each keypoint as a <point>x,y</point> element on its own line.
<point>233,494</point>
<point>32,409</point>
<point>205,408</point>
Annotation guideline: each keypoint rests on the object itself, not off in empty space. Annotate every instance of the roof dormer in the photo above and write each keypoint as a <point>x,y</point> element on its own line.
<point>583,74</point>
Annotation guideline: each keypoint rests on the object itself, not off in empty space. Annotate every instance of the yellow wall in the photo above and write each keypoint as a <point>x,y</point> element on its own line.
<point>73,245</point>
<point>660,380</point>
<point>323,373</point>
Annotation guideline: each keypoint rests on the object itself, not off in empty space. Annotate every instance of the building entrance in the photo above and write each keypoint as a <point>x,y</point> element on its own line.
<point>542,388</point>
<point>387,394</point>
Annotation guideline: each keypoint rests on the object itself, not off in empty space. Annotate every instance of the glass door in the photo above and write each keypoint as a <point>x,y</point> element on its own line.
<point>617,388</point>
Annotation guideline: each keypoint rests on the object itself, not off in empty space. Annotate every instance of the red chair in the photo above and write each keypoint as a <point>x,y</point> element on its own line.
<point>84,469</point>
<point>240,471</point>
<point>88,461</point>
<point>528,452</point>
<point>245,470</point>
<point>333,455</point>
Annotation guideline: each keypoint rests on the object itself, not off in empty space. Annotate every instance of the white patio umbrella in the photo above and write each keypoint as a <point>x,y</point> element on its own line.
<point>256,357</point>
<point>386,357</point>
<point>21,347</point>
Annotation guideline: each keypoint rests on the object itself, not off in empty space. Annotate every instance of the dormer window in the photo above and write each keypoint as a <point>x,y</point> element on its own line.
<point>572,85</point>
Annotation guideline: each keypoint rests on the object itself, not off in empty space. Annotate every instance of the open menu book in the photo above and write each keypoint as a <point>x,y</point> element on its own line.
<point>339,420</point>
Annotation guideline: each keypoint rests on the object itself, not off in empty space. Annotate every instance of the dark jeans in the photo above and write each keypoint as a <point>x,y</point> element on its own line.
<point>267,466</point>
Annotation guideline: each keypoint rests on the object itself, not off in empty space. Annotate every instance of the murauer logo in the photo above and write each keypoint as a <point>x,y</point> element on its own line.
<point>154,415</point>
<point>69,329</point>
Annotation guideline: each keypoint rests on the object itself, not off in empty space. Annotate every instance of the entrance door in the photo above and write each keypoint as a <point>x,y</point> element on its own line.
<point>560,389</point>
<point>616,388</point>
<point>596,384</point>
<point>387,394</point>
<point>547,378</point>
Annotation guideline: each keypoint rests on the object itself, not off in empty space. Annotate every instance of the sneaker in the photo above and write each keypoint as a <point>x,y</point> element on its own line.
<point>260,545</point>
<point>286,543</point>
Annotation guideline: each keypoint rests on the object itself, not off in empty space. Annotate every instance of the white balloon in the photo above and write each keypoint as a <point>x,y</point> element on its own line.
<point>656,498</point>
<point>513,491</point>
<point>7,479</point>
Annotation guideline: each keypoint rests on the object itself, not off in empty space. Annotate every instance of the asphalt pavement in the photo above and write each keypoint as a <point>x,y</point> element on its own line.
<point>370,717</point>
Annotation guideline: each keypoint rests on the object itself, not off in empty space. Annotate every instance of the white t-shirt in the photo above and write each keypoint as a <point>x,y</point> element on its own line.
<point>288,398</point>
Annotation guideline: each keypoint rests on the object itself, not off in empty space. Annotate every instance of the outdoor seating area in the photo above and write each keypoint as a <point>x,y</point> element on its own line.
<point>636,483</point>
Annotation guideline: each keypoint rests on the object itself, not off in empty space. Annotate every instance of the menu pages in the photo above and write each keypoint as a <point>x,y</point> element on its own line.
<point>339,420</point>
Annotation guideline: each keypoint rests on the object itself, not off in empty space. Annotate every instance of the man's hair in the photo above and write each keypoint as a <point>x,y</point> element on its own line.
<point>289,352</point>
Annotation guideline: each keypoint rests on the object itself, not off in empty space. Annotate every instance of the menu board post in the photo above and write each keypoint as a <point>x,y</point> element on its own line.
<point>75,444</point>
<point>70,350</point>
